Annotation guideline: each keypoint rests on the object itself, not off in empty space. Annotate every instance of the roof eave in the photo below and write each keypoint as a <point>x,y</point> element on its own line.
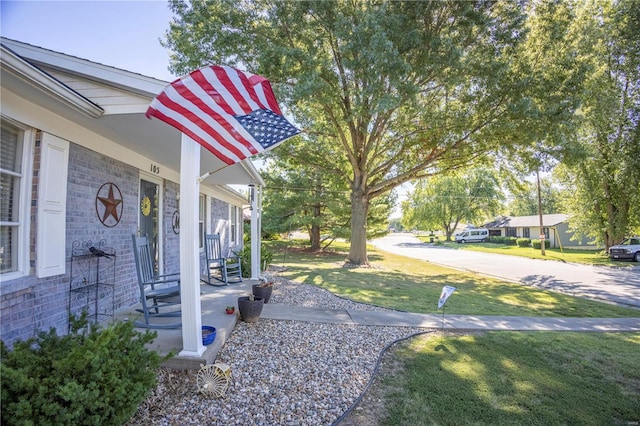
<point>40,80</point>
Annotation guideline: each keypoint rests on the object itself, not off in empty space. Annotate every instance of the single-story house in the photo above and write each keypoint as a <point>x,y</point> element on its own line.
<point>83,167</point>
<point>556,229</point>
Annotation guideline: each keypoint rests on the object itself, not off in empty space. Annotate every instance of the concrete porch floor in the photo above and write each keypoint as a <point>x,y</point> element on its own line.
<point>214,300</point>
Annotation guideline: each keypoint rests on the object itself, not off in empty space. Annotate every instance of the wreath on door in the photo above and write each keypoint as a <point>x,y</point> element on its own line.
<point>145,205</point>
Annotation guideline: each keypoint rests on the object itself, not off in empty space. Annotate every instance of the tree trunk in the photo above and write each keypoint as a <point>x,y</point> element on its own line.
<point>542,240</point>
<point>314,233</point>
<point>359,212</point>
<point>314,237</point>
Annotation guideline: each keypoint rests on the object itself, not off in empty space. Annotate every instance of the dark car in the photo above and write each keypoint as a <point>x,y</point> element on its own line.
<point>629,249</point>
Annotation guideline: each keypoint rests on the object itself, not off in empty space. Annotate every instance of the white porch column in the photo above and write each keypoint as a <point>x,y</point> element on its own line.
<point>259,203</point>
<point>189,256</point>
<point>255,236</point>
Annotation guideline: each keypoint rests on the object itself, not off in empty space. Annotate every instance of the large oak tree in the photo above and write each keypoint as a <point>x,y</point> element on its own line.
<point>397,90</point>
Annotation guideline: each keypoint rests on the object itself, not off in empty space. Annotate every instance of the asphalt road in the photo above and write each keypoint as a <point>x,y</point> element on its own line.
<point>620,285</point>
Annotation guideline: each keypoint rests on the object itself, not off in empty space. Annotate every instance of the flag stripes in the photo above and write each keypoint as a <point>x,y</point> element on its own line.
<point>231,113</point>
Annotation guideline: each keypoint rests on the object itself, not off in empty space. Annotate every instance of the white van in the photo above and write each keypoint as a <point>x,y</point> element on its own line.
<point>473,236</point>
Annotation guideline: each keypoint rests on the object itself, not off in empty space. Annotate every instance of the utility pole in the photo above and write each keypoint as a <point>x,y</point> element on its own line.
<point>542,237</point>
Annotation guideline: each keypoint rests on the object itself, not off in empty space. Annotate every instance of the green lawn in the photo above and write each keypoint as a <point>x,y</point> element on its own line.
<point>513,378</point>
<point>493,378</point>
<point>590,257</point>
<point>397,282</point>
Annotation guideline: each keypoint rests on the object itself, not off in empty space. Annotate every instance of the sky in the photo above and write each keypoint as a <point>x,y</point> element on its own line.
<point>122,34</point>
<point>119,33</point>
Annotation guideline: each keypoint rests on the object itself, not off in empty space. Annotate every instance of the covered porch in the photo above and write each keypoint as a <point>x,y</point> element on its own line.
<point>213,301</point>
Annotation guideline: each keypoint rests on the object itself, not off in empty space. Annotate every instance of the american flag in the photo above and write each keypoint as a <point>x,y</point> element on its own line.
<point>232,113</point>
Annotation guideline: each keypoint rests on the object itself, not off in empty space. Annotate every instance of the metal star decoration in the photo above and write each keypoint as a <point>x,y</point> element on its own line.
<point>112,206</point>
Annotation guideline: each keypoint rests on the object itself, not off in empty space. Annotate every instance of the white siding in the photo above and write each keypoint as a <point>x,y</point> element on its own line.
<point>112,100</point>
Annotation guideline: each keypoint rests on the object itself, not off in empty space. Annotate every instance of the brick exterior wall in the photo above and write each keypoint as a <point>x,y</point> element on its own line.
<point>30,304</point>
<point>220,222</point>
<point>171,254</point>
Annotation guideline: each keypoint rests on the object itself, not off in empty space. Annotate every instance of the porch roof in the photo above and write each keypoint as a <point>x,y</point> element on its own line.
<point>57,80</point>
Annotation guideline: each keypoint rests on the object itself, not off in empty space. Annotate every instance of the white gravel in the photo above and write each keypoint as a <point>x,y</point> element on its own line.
<point>283,372</point>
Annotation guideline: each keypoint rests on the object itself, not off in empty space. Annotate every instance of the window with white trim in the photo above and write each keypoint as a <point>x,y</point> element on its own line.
<point>233,224</point>
<point>202,211</point>
<point>15,180</point>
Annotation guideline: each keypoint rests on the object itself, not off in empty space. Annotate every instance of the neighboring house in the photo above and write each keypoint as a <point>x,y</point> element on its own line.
<point>82,165</point>
<point>556,228</point>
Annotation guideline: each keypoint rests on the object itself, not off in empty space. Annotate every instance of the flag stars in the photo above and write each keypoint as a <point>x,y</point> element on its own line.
<point>267,127</point>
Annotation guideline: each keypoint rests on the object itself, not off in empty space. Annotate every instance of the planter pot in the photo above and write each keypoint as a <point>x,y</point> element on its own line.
<point>250,310</point>
<point>208,335</point>
<point>263,292</point>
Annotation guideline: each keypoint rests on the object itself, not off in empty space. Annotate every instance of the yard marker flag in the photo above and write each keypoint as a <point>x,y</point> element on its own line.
<point>447,290</point>
<point>232,113</point>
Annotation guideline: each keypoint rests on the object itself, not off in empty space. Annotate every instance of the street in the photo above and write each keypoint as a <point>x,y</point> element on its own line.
<point>620,285</point>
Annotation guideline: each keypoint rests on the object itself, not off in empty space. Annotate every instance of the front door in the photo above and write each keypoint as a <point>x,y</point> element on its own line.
<point>149,222</point>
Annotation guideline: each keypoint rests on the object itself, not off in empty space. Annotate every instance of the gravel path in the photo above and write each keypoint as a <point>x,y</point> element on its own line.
<point>283,372</point>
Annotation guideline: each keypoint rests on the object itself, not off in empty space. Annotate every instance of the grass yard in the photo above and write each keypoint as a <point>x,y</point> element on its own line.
<point>412,285</point>
<point>509,378</point>
<point>493,378</point>
<point>589,257</point>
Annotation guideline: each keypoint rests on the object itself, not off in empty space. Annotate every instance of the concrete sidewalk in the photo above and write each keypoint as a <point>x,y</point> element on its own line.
<point>215,299</point>
<point>449,322</point>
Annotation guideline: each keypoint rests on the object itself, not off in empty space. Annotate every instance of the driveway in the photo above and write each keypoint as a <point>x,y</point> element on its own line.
<point>615,284</point>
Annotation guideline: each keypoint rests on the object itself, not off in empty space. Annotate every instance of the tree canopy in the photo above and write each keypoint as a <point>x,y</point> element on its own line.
<point>393,91</point>
<point>603,196</point>
<point>444,202</point>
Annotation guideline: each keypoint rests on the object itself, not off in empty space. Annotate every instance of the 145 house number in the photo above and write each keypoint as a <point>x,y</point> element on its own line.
<point>155,169</point>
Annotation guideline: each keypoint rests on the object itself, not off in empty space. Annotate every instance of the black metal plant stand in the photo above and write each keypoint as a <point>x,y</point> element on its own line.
<point>92,280</point>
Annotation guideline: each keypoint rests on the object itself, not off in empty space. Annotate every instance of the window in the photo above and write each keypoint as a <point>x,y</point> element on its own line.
<point>512,232</point>
<point>14,202</point>
<point>202,213</point>
<point>233,222</point>
<point>526,232</point>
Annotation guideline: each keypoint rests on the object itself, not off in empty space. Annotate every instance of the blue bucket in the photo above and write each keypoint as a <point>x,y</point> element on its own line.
<point>208,334</point>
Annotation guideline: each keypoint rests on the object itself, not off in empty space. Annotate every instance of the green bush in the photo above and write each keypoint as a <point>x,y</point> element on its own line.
<point>90,376</point>
<point>536,244</point>
<point>496,240</point>
<point>523,242</point>
<point>509,241</point>
<point>266,257</point>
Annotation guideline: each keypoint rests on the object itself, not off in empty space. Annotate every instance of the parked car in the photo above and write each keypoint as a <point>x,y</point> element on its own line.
<point>628,249</point>
<point>473,235</point>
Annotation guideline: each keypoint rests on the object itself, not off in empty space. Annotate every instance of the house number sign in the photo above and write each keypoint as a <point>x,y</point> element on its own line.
<point>154,168</point>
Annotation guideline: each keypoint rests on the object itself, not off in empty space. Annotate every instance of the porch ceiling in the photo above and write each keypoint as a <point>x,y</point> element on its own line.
<point>156,140</point>
<point>161,143</point>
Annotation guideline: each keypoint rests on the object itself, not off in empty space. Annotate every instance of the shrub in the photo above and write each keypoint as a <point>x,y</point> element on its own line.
<point>496,240</point>
<point>90,376</point>
<point>509,241</point>
<point>536,244</point>
<point>266,257</point>
<point>523,242</point>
